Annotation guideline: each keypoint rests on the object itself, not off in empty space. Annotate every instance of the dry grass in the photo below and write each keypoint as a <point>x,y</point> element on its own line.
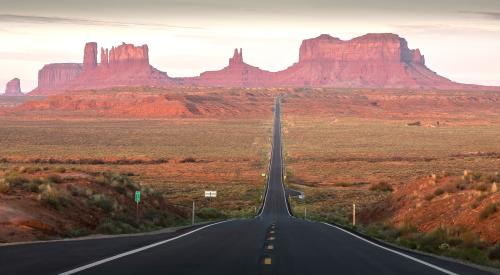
<point>329,158</point>
<point>197,154</point>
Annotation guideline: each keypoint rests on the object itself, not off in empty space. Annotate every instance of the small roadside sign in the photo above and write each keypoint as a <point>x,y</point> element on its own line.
<point>263,174</point>
<point>137,196</point>
<point>210,194</point>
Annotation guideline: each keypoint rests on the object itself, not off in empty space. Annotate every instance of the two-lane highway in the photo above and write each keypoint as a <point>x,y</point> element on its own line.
<point>274,242</point>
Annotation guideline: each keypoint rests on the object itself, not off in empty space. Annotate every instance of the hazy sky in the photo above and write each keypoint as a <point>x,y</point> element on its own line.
<point>459,38</point>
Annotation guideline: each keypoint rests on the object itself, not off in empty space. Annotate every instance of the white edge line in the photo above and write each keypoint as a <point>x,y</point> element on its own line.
<point>124,254</point>
<point>395,251</point>
<point>268,170</point>
<point>282,168</point>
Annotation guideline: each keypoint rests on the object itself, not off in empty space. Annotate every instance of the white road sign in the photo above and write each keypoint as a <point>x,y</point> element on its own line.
<point>210,194</point>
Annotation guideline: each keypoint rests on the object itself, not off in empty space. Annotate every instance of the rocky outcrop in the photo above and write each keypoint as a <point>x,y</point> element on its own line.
<point>90,56</point>
<point>369,61</point>
<point>13,88</point>
<point>127,55</point>
<point>236,74</point>
<point>54,77</point>
<point>104,57</point>
<point>124,65</point>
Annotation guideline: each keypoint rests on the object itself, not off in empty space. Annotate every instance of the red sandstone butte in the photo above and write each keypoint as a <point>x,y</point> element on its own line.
<point>381,60</point>
<point>124,65</point>
<point>13,88</point>
<point>236,74</point>
<point>368,61</point>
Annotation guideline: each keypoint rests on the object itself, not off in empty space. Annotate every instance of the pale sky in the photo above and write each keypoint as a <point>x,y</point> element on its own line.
<point>459,38</point>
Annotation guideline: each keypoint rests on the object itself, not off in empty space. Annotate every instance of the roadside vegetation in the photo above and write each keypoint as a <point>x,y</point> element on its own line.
<point>433,189</point>
<point>64,167</point>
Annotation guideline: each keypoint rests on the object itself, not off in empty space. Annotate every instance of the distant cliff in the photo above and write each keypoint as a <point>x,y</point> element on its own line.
<point>13,88</point>
<point>369,61</point>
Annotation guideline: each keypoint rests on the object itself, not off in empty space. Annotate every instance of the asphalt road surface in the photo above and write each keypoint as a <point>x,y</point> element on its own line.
<point>274,242</point>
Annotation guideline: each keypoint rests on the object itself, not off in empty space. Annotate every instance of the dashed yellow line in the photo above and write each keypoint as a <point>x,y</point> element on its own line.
<point>268,261</point>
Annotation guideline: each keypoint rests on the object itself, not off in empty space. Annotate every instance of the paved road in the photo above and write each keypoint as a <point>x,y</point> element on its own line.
<point>272,243</point>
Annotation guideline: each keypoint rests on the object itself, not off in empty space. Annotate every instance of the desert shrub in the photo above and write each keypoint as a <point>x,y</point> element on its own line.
<point>56,201</point>
<point>430,242</point>
<point>60,170</point>
<point>210,214</point>
<point>494,254</point>
<point>348,184</point>
<point>483,187</point>
<point>4,186</point>
<point>76,191</point>
<point>450,187</point>
<point>478,201</point>
<point>489,210</point>
<point>476,176</point>
<point>77,232</point>
<point>121,189</point>
<point>32,169</point>
<point>381,186</point>
<point>461,184</point>
<point>429,197</point>
<point>115,227</point>
<point>102,202</point>
<point>438,192</point>
<point>472,254</point>
<point>54,178</point>
<point>34,185</point>
<point>101,180</point>
<point>188,160</point>
<point>15,180</point>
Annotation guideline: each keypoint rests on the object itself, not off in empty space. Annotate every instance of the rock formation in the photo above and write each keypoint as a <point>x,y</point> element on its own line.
<point>236,74</point>
<point>53,77</point>
<point>127,55</point>
<point>124,65</point>
<point>104,57</point>
<point>369,61</point>
<point>90,56</point>
<point>13,88</point>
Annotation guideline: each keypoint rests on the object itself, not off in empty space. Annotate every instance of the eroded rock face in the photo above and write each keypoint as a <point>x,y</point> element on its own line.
<point>90,56</point>
<point>54,77</point>
<point>13,88</point>
<point>124,65</point>
<point>369,61</point>
<point>128,54</point>
<point>368,48</point>
<point>236,74</point>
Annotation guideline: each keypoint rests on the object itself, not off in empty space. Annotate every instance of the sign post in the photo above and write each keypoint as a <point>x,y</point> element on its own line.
<point>210,194</point>
<point>353,214</point>
<point>192,217</point>
<point>137,200</point>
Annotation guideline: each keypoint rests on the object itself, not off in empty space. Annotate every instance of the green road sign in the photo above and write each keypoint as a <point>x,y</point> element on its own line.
<point>137,196</point>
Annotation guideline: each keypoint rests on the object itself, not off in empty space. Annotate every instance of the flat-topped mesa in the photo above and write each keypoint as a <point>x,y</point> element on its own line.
<point>55,76</point>
<point>237,58</point>
<point>128,54</point>
<point>90,56</point>
<point>384,47</point>
<point>13,88</point>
